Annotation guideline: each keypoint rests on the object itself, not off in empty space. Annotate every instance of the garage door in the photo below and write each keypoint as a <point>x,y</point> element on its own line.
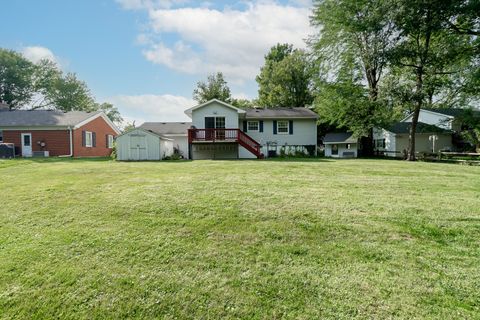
<point>138,147</point>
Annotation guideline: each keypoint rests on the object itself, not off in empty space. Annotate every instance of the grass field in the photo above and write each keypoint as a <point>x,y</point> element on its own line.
<point>83,239</point>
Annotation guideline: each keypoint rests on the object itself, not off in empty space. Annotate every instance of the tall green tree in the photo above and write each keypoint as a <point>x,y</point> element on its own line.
<point>351,51</point>
<point>214,88</point>
<point>68,93</point>
<point>428,51</point>
<point>16,79</point>
<point>285,80</point>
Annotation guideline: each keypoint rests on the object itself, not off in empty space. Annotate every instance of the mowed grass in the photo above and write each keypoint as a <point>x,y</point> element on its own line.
<point>367,239</point>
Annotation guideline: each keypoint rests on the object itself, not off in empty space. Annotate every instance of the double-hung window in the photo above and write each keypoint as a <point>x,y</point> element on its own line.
<point>110,141</point>
<point>1,136</point>
<point>282,127</point>
<point>88,139</point>
<point>253,126</point>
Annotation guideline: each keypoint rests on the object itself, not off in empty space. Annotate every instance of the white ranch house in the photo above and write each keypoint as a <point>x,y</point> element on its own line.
<point>442,124</point>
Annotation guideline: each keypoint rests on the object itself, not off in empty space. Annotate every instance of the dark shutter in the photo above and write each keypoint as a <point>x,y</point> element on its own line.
<point>290,127</point>
<point>245,126</point>
<point>94,139</point>
<point>261,126</point>
<point>83,138</point>
<point>274,126</point>
<point>106,141</point>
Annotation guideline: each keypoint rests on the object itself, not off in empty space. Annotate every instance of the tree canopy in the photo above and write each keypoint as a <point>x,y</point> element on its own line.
<point>214,88</point>
<point>285,80</point>
<point>393,56</point>
<point>25,85</point>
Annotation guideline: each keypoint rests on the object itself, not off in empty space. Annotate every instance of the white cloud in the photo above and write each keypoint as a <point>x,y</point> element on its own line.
<point>149,4</point>
<point>149,107</point>
<point>232,41</point>
<point>37,53</point>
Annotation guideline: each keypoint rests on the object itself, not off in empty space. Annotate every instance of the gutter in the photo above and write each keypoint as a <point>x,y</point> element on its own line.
<point>71,145</point>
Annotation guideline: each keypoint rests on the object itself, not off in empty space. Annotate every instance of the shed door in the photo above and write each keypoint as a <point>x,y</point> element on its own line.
<point>138,147</point>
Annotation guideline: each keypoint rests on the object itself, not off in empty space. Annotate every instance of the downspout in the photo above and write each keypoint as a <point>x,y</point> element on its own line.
<point>71,145</point>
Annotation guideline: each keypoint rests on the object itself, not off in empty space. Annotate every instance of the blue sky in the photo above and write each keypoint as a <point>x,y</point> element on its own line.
<point>146,56</point>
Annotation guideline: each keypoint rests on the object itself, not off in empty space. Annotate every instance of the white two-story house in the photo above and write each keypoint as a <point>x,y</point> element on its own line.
<point>222,131</point>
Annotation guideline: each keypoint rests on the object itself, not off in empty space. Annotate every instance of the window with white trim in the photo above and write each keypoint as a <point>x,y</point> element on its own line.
<point>88,139</point>
<point>282,127</point>
<point>1,136</point>
<point>380,143</point>
<point>110,141</point>
<point>253,126</point>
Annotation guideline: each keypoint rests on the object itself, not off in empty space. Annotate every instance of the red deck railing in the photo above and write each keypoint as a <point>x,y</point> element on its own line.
<point>225,135</point>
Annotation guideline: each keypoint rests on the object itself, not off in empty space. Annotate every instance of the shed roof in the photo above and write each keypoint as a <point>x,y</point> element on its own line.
<point>34,118</point>
<point>339,137</point>
<point>278,113</point>
<point>172,128</point>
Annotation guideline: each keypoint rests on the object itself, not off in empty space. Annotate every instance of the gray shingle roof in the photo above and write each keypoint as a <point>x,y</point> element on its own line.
<point>167,127</point>
<point>279,113</point>
<point>404,127</point>
<point>339,137</point>
<point>34,118</point>
<point>454,112</point>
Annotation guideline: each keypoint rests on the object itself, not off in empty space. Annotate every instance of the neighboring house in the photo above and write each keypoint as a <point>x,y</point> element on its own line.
<point>141,144</point>
<point>222,131</point>
<point>393,141</point>
<point>444,118</point>
<point>57,133</point>
<point>177,131</point>
<point>340,145</point>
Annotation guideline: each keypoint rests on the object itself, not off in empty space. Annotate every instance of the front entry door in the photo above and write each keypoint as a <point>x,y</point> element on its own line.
<point>26,144</point>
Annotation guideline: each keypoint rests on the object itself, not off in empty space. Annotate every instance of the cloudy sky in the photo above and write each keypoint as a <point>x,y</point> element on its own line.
<point>146,56</point>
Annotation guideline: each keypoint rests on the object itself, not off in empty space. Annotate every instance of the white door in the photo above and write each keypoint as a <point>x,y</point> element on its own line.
<point>138,147</point>
<point>26,144</point>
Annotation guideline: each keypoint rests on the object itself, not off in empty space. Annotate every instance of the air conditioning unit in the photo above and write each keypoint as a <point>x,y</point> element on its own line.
<point>7,150</point>
<point>41,154</point>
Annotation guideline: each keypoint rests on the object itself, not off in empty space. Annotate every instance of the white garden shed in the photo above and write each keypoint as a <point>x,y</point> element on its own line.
<point>140,144</point>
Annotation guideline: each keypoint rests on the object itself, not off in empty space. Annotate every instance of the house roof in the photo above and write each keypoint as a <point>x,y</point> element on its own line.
<point>452,112</point>
<point>404,127</point>
<point>147,131</point>
<point>189,111</point>
<point>339,137</point>
<point>34,118</point>
<point>277,113</point>
<point>171,128</point>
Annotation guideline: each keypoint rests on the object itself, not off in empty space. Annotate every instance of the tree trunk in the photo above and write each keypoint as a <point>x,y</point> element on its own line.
<point>416,113</point>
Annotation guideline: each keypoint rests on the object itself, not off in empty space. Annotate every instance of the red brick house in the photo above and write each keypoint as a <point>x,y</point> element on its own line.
<point>57,133</point>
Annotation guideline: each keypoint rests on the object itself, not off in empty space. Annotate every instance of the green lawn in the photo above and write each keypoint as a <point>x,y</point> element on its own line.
<point>239,239</point>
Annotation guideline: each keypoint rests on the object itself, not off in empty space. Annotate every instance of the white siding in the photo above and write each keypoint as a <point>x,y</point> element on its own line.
<point>139,145</point>
<point>166,147</point>
<point>390,141</point>
<point>436,119</point>
<point>215,109</point>
<point>304,133</point>
<point>396,144</point>
<point>423,144</point>
<point>342,147</point>
<point>180,142</point>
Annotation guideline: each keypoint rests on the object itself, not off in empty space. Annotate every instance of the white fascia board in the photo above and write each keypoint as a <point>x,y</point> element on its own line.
<point>428,111</point>
<point>188,112</point>
<point>95,116</point>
